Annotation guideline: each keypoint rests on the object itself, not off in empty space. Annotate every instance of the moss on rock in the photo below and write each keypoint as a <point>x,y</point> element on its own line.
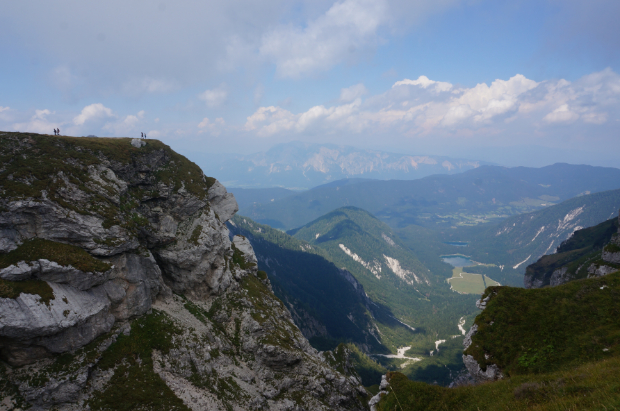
<point>63,254</point>
<point>13,289</point>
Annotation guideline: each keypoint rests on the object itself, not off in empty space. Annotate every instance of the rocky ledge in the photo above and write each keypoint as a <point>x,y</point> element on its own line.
<point>119,285</point>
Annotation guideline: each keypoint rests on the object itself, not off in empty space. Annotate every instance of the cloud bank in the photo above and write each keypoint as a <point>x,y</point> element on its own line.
<point>424,106</point>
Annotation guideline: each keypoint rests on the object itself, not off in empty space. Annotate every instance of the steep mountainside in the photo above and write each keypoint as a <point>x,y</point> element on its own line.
<point>521,240</point>
<point>548,349</point>
<point>480,195</point>
<point>299,165</point>
<point>120,289</point>
<point>327,303</point>
<point>573,257</point>
<point>422,308</point>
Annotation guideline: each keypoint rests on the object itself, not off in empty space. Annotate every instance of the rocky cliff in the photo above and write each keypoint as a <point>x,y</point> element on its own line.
<point>120,289</point>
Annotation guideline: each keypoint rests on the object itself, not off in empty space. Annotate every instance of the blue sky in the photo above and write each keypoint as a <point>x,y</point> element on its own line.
<point>513,82</point>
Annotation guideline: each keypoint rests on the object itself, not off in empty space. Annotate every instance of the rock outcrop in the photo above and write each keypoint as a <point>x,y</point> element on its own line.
<point>118,278</point>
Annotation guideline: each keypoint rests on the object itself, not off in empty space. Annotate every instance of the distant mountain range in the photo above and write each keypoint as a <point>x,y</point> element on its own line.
<point>475,196</point>
<point>299,165</point>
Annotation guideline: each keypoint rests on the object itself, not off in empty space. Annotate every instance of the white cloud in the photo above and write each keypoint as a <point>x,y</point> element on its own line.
<point>594,118</point>
<point>425,82</point>
<point>212,127</point>
<point>95,111</point>
<point>561,114</point>
<point>334,37</point>
<point>270,120</point>
<point>4,109</point>
<point>215,97</point>
<point>522,102</point>
<point>126,126</point>
<point>39,123</point>
<point>132,120</point>
<point>351,93</point>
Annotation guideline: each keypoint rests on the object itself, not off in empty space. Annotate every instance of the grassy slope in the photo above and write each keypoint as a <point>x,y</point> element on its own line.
<point>559,348</point>
<point>580,320</point>
<point>592,386</point>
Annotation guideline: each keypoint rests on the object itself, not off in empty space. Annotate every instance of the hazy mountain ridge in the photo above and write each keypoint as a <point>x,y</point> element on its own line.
<point>303,165</point>
<point>483,194</point>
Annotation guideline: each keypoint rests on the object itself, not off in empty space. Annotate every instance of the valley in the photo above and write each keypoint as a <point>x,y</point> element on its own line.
<point>421,278</point>
<point>467,282</point>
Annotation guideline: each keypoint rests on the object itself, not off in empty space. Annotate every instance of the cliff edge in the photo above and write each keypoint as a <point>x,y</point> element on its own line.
<point>120,288</point>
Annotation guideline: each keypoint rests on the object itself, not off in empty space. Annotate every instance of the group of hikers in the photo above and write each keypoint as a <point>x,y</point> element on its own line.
<point>143,135</point>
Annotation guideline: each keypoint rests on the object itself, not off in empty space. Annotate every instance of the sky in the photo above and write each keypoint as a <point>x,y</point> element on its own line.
<point>514,82</point>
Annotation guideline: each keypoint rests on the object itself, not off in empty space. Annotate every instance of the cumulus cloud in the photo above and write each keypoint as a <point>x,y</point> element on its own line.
<point>425,82</point>
<point>132,120</point>
<point>4,109</point>
<point>215,97</point>
<point>430,106</point>
<point>351,93</point>
<point>92,112</point>
<point>561,114</point>
<point>348,26</point>
<point>212,127</point>
<point>270,120</point>
<point>39,123</point>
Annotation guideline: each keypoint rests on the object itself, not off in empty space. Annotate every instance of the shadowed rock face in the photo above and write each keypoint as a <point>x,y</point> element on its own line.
<point>153,228</point>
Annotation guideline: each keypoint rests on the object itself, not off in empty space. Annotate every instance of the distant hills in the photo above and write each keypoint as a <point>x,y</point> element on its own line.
<point>298,165</point>
<point>476,196</point>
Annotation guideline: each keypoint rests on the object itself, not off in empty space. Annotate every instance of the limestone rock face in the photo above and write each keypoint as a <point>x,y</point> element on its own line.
<point>148,215</point>
<point>559,276</point>
<point>51,271</point>
<point>153,246</point>
<point>492,371</point>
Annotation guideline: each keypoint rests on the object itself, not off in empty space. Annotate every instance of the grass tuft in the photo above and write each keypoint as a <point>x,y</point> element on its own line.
<point>63,254</point>
<point>13,289</point>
